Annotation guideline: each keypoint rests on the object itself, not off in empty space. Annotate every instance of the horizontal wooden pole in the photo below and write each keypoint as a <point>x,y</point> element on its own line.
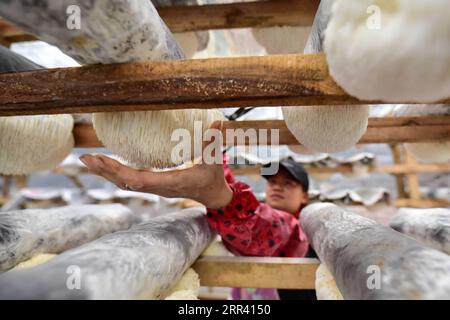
<point>284,80</point>
<point>394,130</point>
<point>392,169</point>
<point>422,203</point>
<point>164,85</point>
<point>215,16</point>
<point>245,170</point>
<point>380,130</point>
<point>240,15</point>
<point>417,168</point>
<point>249,272</point>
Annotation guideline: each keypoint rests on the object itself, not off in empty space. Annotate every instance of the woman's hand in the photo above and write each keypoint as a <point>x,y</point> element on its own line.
<point>202,182</point>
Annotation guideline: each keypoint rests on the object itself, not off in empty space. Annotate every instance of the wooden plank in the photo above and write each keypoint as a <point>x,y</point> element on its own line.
<point>85,136</point>
<point>6,187</point>
<point>256,170</point>
<point>411,129</point>
<point>240,15</point>
<point>422,203</point>
<point>397,170</point>
<point>250,272</point>
<point>394,169</point>
<point>166,85</point>
<point>415,168</point>
<point>406,134</point>
<point>215,16</point>
<point>288,80</point>
<point>409,121</point>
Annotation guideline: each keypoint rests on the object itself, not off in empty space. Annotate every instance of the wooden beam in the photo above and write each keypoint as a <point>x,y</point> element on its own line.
<point>380,130</point>
<point>215,16</point>
<point>422,203</point>
<point>283,80</point>
<point>249,272</point>
<point>240,15</point>
<point>287,80</point>
<point>256,170</point>
<point>416,168</point>
<point>164,85</point>
<point>410,129</point>
<point>396,170</point>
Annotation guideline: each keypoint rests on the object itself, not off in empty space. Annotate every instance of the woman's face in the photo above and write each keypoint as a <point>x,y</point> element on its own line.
<point>284,193</point>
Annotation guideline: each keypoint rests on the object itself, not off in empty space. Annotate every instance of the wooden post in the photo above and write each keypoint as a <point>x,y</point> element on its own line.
<point>6,186</point>
<point>412,178</point>
<point>5,42</point>
<point>399,178</point>
<point>20,181</point>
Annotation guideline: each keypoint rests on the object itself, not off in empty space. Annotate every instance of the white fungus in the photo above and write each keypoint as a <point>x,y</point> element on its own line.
<point>282,40</point>
<point>144,138</point>
<point>327,129</point>
<point>34,143</point>
<point>390,50</point>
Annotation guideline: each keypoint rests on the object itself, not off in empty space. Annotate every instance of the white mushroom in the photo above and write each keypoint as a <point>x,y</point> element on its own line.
<point>144,138</point>
<point>282,40</point>
<point>31,143</point>
<point>325,128</point>
<point>396,50</point>
<point>34,143</point>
